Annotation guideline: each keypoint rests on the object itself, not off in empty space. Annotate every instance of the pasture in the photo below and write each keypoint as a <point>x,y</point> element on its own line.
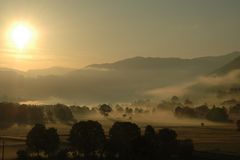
<point>219,138</point>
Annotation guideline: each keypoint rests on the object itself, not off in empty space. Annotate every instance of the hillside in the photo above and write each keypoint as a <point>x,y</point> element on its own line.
<point>201,64</point>
<point>231,66</point>
<point>121,81</point>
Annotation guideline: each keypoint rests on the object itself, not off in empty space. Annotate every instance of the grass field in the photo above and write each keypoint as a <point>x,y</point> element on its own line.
<point>219,138</point>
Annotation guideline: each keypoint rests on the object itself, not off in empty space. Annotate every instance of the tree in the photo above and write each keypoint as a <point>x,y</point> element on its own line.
<point>52,141</point>
<point>185,112</point>
<point>105,109</point>
<point>238,125</point>
<point>36,115</point>
<point>175,99</point>
<point>167,142</point>
<point>41,139</point>
<point>119,108</point>
<point>235,109</point>
<point>188,102</point>
<point>128,110</point>
<point>185,149</point>
<point>62,155</point>
<point>149,132</point>
<point>217,114</point>
<point>63,113</point>
<point>148,149</point>
<point>167,135</point>
<point>122,136</point>
<point>201,111</point>
<point>87,137</point>
<point>36,138</point>
<point>22,155</point>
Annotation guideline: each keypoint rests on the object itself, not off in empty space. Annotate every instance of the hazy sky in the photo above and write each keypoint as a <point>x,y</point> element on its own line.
<point>76,33</point>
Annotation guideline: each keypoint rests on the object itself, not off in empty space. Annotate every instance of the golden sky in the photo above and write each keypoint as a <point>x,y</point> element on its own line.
<point>75,33</point>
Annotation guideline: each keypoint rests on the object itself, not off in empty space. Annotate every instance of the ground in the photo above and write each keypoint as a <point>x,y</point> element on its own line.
<point>219,138</point>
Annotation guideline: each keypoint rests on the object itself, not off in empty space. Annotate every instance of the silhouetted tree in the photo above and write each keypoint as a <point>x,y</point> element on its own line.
<point>185,149</point>
<point>36,115</point>
<point>167,142</point>
<point>36,139</point>
<point>138,110</point>
<point>201,111</point>
<point>148,148</point>
<point>88,137</point>
<point>63,113</point>
<point>120,109</point>
<point>87,141</point>
<point>52,141</point>
<point>105,109</point>
<point>149,132</point>
<point>41,139</point>
<point>129,110</point>
<point>122,136</point>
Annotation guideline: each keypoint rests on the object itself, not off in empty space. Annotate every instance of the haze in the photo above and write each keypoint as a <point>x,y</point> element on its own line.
<point>79,33</point>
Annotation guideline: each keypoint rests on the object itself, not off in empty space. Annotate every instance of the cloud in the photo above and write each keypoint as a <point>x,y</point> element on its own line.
<point>204,88</point>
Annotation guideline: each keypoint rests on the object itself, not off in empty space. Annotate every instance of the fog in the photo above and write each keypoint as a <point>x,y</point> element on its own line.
<point>206,89</point>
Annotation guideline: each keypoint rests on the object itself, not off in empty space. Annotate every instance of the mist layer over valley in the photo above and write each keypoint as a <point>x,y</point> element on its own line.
<point>122,81</point>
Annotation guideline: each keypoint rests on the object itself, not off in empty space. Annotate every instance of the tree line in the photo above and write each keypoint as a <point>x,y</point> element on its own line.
<point>215,114</point>
<point>28,114</point>
<point>22,114</point>
<point>88,141</point>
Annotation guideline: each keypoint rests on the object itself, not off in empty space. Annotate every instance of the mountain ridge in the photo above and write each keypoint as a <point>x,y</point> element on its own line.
<point>151,62</point>
<point>110,85</point>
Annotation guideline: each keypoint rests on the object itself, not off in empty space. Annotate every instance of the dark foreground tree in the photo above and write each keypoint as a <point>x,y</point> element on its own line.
<point>40,139</point>
<point>185,149</point>
<point>122,137</point>
<point>87,137</point>
<point>146,147</point>
<point>125,142</point>
<point>36,139</point>
<point>52,141</point>
<point>149,132</point>
<point>167,141</point>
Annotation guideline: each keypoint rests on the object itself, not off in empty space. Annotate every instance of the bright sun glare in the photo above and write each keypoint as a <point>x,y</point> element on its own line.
<point>21,35</point>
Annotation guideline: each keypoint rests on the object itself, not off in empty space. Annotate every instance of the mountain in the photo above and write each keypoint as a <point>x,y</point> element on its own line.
<point>231,66</point>
<point>121,81</point>
<point>201,64</point>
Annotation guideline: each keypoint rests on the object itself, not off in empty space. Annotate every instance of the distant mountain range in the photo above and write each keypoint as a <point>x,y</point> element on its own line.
<point>201,64</point>
<point>121,81</point>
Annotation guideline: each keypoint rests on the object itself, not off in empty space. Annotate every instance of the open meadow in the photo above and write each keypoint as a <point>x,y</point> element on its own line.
<point>219,138</point>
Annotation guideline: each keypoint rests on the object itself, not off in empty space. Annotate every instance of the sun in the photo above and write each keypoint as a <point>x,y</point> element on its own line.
<point>21,35</point>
